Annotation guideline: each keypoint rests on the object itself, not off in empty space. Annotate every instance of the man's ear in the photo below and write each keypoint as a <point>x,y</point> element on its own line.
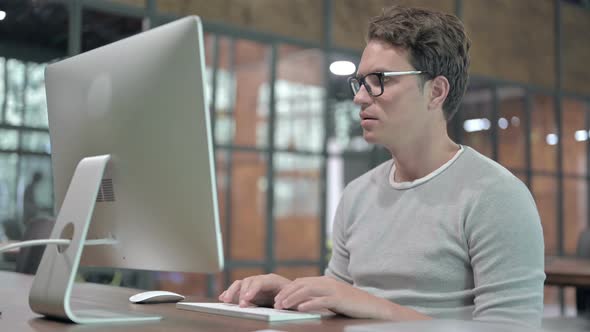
<point>439,90</point>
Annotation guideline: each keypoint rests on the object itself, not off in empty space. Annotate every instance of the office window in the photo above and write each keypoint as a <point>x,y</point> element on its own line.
<point>575,46</point>
<point>225,86</point>
<point>8,139</point>
<point>511,124</point>
<point>35,141</point>
<point>296,194</point>
<point>224,120</point>
<point>299,118</point>
<point>575,219</point>
<point>34,34</point>
<point>296,175</point>
<point>297,206</point>
<point>545,195</point>
<point>8,184</point>
<point>22,150</point>
<point>299,95</point>
<point>348,133</point>
<point>248,203</point>
<point>15,88</point>
<point>575,121</point>
<point>28,165</point>
<point>476,118</point>
<point>543,134</point>
<point>252,81</point>
<point>222,164</point>
<point>3,86</point>
<point>35,114</point>
<point>26,104</point>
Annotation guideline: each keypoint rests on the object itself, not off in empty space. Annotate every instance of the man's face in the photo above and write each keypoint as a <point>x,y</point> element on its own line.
<point>399,114</point>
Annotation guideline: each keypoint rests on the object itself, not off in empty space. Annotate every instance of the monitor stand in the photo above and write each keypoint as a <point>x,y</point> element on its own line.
<point>51,292</point>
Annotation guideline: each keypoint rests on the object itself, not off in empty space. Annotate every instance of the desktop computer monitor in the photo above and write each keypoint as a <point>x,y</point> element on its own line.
<point>133,163</point>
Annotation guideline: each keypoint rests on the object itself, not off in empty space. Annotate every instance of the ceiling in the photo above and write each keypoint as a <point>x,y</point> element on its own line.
<point>37,30</point>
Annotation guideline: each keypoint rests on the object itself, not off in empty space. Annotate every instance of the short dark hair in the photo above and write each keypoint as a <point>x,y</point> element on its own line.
<point>436,43</point>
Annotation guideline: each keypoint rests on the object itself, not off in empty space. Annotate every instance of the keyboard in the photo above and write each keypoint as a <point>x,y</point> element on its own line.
<point>259,313</point>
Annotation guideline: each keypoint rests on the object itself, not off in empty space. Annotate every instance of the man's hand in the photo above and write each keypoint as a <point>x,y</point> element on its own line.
<point>326,293</point>
<point>258,290</point>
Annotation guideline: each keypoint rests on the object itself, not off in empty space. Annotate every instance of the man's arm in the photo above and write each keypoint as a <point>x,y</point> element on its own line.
<point>326,293</point>
<point>340,258</point>
<point>505,240</point>
<point>262,289</point>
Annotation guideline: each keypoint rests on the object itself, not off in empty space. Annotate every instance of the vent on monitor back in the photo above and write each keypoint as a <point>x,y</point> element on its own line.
<point>106,192</point>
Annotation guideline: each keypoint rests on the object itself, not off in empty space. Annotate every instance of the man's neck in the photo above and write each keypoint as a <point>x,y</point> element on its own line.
<point>422,157</point>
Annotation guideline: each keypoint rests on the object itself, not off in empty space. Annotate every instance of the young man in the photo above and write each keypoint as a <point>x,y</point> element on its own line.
<point>439,231</point>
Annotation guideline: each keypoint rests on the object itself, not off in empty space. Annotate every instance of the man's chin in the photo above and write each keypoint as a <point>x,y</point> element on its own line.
<point>369,137</point>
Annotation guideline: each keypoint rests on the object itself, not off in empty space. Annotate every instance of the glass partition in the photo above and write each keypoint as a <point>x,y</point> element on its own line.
<point>543,134</point>
<point>476,118</point>
<point>299,96</point>
<point>297,206</point>
<point>511,128</point>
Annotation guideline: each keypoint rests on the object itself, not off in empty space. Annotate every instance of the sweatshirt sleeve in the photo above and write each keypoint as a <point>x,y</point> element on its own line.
<point>505,240</point>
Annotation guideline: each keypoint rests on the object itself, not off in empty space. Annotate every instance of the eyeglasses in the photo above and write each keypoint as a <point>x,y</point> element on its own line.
<point>373,82</point>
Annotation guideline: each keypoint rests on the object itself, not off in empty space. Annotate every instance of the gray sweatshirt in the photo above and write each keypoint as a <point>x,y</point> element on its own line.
<point>464,242</point>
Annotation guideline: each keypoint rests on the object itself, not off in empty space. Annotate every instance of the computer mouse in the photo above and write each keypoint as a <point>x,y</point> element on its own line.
<point>156,297</point>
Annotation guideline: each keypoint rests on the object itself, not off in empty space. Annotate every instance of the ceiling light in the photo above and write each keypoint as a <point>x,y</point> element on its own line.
<point>551,139</point>
<point>2,15</point>
<point>581,135</point>
<point>342,68</point>
<point>473,125</point>
<point>503,123</point>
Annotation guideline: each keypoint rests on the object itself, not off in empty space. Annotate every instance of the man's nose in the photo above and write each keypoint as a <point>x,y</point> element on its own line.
<point>362,96</point>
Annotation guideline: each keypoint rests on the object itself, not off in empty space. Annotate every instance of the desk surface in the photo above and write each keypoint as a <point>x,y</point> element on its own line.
<point>567,271</point>
<point>17,316</point>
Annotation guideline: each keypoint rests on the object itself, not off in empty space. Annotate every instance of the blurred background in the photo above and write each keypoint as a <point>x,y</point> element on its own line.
<point>287,134</point>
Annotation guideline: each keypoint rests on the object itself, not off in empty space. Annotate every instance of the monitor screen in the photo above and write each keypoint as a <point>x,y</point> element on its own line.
<point>141,100</point>
<point>133,161</point>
